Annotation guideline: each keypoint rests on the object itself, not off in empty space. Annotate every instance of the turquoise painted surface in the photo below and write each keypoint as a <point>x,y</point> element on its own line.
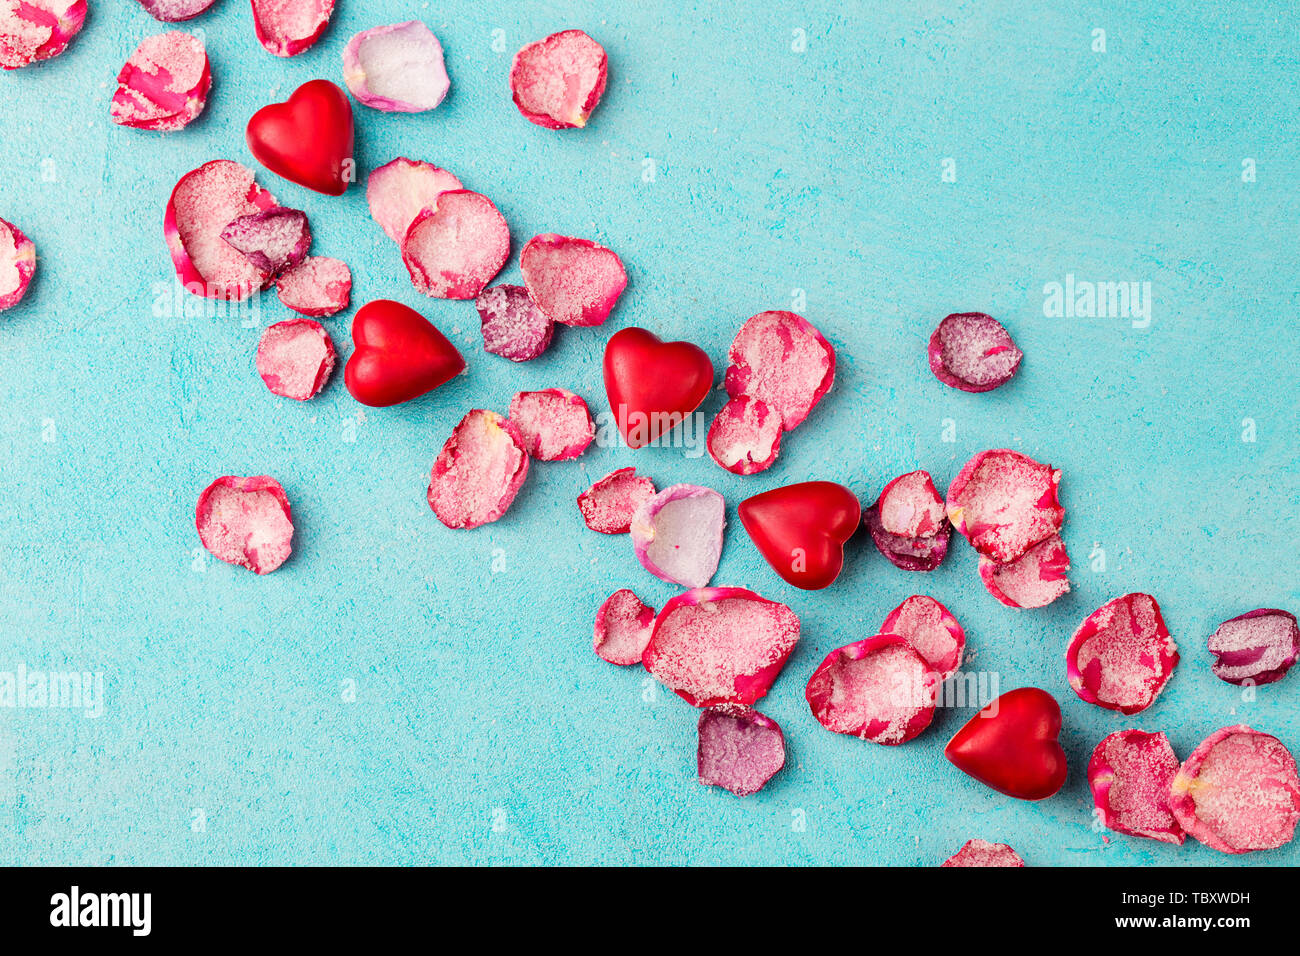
<point>791,150</point>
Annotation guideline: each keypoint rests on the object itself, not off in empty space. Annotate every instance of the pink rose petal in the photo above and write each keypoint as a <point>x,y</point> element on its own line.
<point>246,521</point>
<point>479,471</point>
<point>17,264</point>
<point>781,360</point>
<point>32,30</point>
<point>739,752</point>
<point>910,507</point>
<point>397,68</point>
<point>745,437</point>
<point>174,11</point>
<point>983,853</point>
<point>453,251</point>
<point>317,286</point>
<point>609,505</point>
<point>288,27</point>
<point>623,628</point>
<point>931,630</point>
<point>573,281</point>
<point>1238,792</point>
<point>1035,579</point>
<point>879,689</point>
<point>295,358</point>
<point>1005,503</point>
<point>555,423</point>
<point>164,86</point>
<point>677,534</point>
<point>973,352</point>
<point>558,81</point>
<point>924,553</point>
<point>1258,647</point>
<point>1130,774</point>
<point>513,326</point>
<point>399,191</point>
<point>720,647</point>
<point>1122,656</point>
<point>273,240</point>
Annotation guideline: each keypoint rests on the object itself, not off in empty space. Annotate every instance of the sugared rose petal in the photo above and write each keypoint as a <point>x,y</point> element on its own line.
<point>317,286</point>
<point>246,521</point>
<point>287,27</point>
<point>1005,503</point>
<point>973,352</point>
<point>164,86</point>
<point>295,358</point>
<point>677,534</point>
<point>399,191</point>
<point>17,264</point>
<point>174,11</point>
<point>273,240</point>
<point>623,627</point>
<point>1258,647</point>
<point>879,689</point>
<point>1035,579</point>
<point>33,30</point>
<point>720,647</point>
<point>573,281</point>
<point>609,505</point>
<point>1130,774</point>
<point>931,630</point>
<point>397,68</point>
<point>983,853</point>
<point>513,326</point>
<point>203,203</point>
<point>555,423</point>
<point>1122,656</point>
<point>745,437</point>
<point>781,360</point>
<point>478,472</point>
<point>558,81</point>
<point>453,251</point>
<point>910,507</point>
<point>911,554</point>
<point>1238,792</point>
<point>739,752</point>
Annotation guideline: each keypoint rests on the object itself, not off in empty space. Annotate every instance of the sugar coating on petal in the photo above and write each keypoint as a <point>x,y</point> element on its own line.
<point>273,239</point>
<point>739,752</point>
<point>1259,647</point>
<point>513,326</point>
<point>558,81</point>
<point>781,360</point>
<point>453,251</point>
<point>745,437</point>
<point>288,27</point>
<point>1035,579</point>
<point>677,534</point>
<point>398,68</point>
<point>931,630</point>
<point>1238,791</point>
<point>573,281</point>
<point>17,264</point>
<point>623,627</point>
<point>399,191</point>
<point>203,203</point>
<point>721,646</point>
<point>1004,503</point>
<point>609,505</point>
<point>478,472</point>
<point>1130,774</point>
<point>246,521</point>
<point>33,30</point>
<point>878,689</point>
<point>174,11</point>
<point>921,553</point>
<point>295,358</point>
<point>317,286</point>
<point>1122,655</point>
<point>164,86</point>
<point>554,422</point>
<point>983,853</point>
<point>973,352</point>
<point>910,506</point>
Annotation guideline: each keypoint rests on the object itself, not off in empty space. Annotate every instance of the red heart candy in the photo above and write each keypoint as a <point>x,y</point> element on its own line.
<point>308,138</point>
<point>399,355</point>
<point>652,385</point>
<point>801,530</point>
<point>1011,745</point>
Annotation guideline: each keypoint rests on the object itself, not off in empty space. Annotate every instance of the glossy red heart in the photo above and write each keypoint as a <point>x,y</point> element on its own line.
<point>1011,745</point>
<point>308,138</point>
<point>653,385</point>
<point>399,355</point>
<point>801,530</point>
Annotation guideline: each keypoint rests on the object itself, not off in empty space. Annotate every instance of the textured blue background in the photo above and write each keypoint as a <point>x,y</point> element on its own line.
<point>484,729</point>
